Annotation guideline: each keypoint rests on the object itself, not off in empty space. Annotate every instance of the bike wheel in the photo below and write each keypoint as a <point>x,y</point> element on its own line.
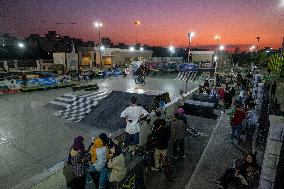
<point>137,80</point>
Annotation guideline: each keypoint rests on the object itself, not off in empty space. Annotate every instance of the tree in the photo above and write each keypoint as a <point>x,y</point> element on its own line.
<point>106,41</point>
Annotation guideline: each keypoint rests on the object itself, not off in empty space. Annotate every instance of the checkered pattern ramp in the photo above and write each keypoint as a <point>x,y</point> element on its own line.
<point>81,106</point>
<point>185,76</point>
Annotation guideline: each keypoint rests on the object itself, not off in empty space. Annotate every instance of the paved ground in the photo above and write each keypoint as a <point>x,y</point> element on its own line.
<point>194,147</point>
<point>216,158</point>
<point>33,140</point>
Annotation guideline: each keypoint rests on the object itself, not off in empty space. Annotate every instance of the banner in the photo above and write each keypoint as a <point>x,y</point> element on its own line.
<point>9,85</point>
<point>59,58</point>
<point>72,61</point>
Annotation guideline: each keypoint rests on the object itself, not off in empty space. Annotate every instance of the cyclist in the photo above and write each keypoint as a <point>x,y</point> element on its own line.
<point>161,134</point>
<point>140,72</point>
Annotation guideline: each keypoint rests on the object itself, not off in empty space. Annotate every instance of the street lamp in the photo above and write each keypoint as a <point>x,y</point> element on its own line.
<point>172,50</point>
<point>217,38</point>
<point>131,49</point>
<point>102,48</point>
<point>98,25</point>
<point>137,23</point>
<point>252,48</point>
<point>21,45</point>
<point>190,35</point>
<point>222,47</point>
<point>141,49</point>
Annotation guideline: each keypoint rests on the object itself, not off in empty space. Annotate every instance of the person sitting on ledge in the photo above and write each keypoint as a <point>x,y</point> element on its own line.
<point>245,173</point>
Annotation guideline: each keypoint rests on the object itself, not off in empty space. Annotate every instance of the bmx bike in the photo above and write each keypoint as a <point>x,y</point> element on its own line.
<point>140,79</point>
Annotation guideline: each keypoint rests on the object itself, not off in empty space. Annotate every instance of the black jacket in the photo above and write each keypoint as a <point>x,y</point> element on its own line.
<point>161,133</point>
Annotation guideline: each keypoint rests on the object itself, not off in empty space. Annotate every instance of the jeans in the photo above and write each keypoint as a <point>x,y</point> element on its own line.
<point>236,132</point>
<point>104,175</point>
<point>132,139</point>
<point>178,143</point>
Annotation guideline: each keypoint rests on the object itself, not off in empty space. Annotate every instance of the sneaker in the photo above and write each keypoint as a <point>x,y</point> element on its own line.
<point>175,157</point>
<point>183,156</point>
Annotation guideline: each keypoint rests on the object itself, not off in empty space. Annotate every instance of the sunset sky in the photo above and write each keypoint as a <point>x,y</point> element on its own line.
<point>163,22</point>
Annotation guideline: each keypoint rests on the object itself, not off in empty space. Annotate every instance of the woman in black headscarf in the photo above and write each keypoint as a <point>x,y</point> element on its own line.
<point>79,160</point>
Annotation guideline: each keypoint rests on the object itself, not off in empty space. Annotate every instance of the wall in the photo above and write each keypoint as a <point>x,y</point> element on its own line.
<point>115,55</point>
<point>202,56</point>
<point>272,152</point>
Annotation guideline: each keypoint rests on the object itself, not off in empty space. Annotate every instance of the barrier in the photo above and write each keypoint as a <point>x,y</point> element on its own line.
<point>10,86</point>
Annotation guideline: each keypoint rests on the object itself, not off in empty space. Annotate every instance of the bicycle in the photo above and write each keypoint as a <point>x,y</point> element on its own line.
<point>147,154</point>
<point>169,169</point>
<point>140,79</point>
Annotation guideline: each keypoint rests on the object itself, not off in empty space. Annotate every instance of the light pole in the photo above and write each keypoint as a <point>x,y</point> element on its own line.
<point>172,50</point>
<point>215,60</point>
<point>190,35</point>
<point>258,38</point>
<point>137,23</point>
<point>21,47</point>
<point>98,25</point>
<point>217,38</point>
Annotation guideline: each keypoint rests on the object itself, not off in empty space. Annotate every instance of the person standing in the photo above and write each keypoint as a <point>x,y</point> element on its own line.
<point>132,116</point>
<point>178,135</point>
<point>251,121</point>
<point>242,97</point>
<point>116,164</point>
<point>99,156</point>
<point>273,89</point>
<point>79,160</point>
<point>24,80</point>
<point>236,123</point>
<point>161,134</point>
<point>181,99</point>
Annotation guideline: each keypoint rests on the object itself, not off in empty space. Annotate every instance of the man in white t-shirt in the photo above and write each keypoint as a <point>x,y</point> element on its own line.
<point>132,114</point>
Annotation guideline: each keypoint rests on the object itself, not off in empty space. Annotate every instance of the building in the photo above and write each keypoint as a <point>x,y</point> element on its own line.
<point>90,56</point>
<point>53,42</point>
<point>222,57</point>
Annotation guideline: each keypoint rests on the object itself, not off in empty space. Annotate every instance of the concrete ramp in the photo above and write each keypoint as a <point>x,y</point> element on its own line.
<point>106,114</point>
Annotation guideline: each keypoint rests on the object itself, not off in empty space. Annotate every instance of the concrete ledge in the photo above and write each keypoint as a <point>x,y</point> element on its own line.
<point>29,183</point>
